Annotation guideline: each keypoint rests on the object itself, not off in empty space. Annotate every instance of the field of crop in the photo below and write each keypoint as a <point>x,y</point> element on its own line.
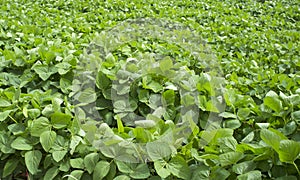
<point>146,89</point>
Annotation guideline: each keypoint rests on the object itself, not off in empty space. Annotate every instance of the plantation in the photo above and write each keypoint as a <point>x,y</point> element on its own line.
<point>150,90</point>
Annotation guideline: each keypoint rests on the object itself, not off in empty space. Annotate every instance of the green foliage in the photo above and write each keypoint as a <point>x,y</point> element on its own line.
<point>42,136</point>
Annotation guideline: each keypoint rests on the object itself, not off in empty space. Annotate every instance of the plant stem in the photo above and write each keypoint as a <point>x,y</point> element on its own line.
<point>296,168</point>
<point>13,119</point>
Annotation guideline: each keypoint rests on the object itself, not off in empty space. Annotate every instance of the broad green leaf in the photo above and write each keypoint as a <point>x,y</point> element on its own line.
<point>288,151</point>
<point>102,81</point>
<point>77,163</point>
<point>152,85</point>
<point>124,167</point>
<point>4,103</point>
<point>296,116</point>
<point>90,161</point>
<point>32,161</point>
<point>59,155</point>
<point>112,171</point>
<point>60,120</point>
<point>39,126</point>
<point>165,64</point>
<point>145,123</point>
<point>4,115</point>
<point>248,138</point>
<point>289,128</point>
<point>158,150</point>
<point>16,129</point>
<point>160,168</point>
<point>227,115</point>
<point>141,171</point>
<point>63,68</point>
<point>230,158</point>
<point>51,173</point>
<point>244,167</point>
<point>243,113</point>
<point>255,175</point>
<point>201,172</point>
<point>168,98</point>
<point>179,168</point>
<point>271,138</point>
<point>227,144</point>
<point>101,170</point>
<point>75,175</point>
<point>64,166</point>
<point>272,101</point>
<point>87,96</point>
<point>75,140</point>
<point>47,139</point>
<point>9,167</point>
<point>232,124</point>
<point>44,71</point>
<point>122,177</point>
<point>21,143</point>
<point>219,173</point>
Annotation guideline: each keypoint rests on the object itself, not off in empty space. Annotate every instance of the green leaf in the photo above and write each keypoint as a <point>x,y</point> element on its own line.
<point>77,163</point>
<point>122,177</point>
<point>87,96</point>
<point>75,175</point>
<point>44,71</point>
<point>232,124</point>
<point>227,144</point>
<point>243,167</point>
<point>160,168</point>
<point>201,172</point>
<point>32,161</point>
<point>296,116</point>
<point>75,140</point>
<point>250,175</point>
<point>39,126</point>
<point>112,171</point>
<point>59,155</point>
<point>288,151</point>
<point>243,113</point>
<point>47,139</point>
<point>120,124</point>
<point>4,103</point>
<point>60,120</point>
<point>124,167</point>
<point>289,128</point>
<point>165,64</point>
<point>179,168</point>
<point>16,129</point>
<point>271,138</point>
<point>102,81</point>
<point>272,101</point>
<point>219,173</point>
<point>230,158</point>
<point>21,143</point>
<point>4,115</point>
<point>9,167</point>
<point>101,170</point>
<point>158,150</point>
<point>64,166</point>
<point>141,171</point>
<point>90,161</point>
<point>227,115</point>
<point>51,173</point>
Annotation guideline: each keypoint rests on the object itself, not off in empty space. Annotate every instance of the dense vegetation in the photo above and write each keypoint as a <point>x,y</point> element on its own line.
<point>227,109</point>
